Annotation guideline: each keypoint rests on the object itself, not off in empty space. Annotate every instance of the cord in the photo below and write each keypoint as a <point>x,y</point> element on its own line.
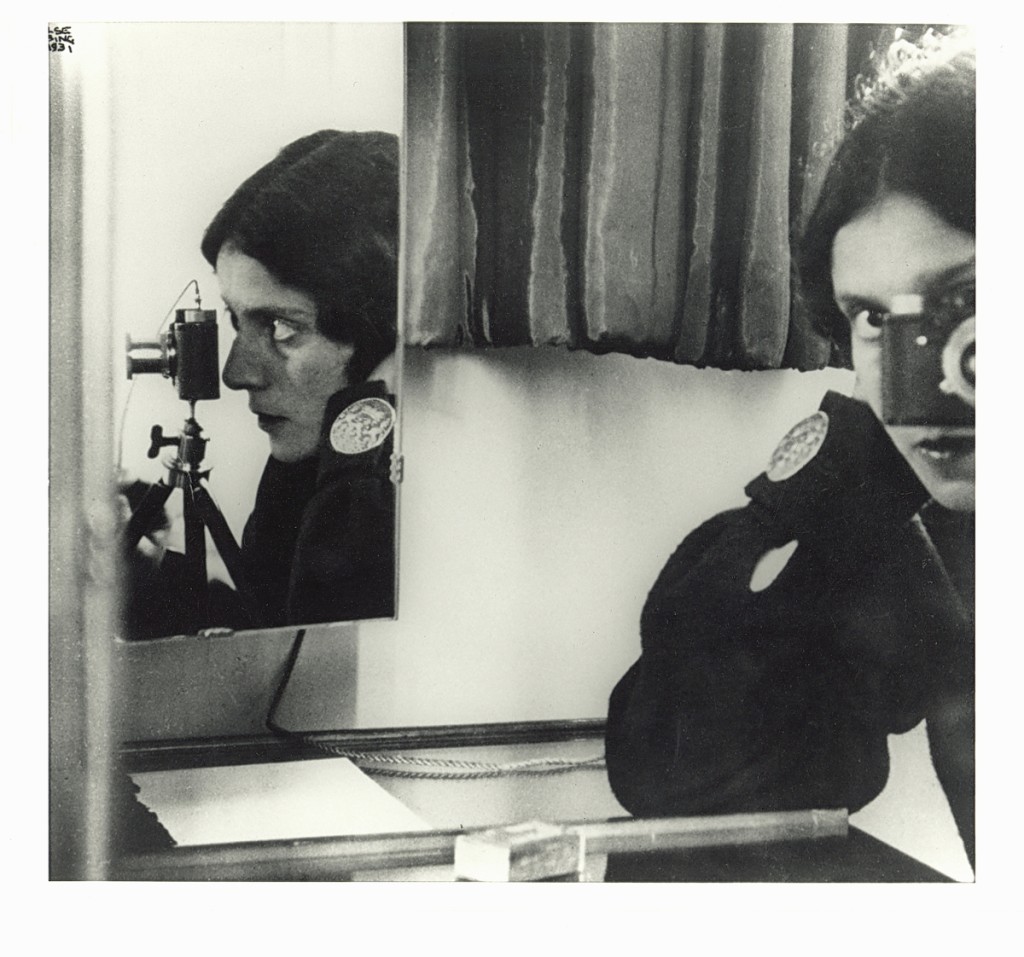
<point>390,764</point>
<point>459,770</point>
<point>191,282</point>
<point>121,427</point>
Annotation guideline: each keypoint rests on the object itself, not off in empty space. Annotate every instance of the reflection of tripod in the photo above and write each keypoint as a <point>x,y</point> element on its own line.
<point>201,512</point>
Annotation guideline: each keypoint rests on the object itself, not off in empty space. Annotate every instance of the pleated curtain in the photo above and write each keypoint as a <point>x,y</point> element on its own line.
<point>619,187</point>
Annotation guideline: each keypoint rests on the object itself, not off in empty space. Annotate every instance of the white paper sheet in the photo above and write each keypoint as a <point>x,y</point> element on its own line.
<point>291,799</point>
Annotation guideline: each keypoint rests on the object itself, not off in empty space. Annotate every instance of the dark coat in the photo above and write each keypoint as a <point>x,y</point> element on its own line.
<point>782,698</point>
<point>319,545</point>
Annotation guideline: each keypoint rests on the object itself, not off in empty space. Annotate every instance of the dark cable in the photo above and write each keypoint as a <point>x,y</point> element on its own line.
<point>272,726</point>
<point>455,769</point>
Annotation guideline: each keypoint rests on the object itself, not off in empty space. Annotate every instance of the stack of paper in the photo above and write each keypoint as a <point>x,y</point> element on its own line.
<point>327,797</point>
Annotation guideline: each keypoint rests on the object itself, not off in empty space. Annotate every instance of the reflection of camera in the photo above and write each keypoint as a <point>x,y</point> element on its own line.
<point>928,359</point>
<point>186,354</point>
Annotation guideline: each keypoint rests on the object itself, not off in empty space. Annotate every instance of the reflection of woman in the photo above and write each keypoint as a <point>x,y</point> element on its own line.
<point>305,254</point>
<point>784,641</point>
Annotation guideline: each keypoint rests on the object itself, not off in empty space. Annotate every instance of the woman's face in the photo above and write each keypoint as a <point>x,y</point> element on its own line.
<point>899,245</point>
<point>289,368</point>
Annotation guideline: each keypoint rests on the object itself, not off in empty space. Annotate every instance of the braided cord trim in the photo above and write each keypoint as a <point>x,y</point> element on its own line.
<point>412,766</point>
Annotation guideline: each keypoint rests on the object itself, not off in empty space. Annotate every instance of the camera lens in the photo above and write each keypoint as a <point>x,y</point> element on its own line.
<point>967,363</point>
<point>958,362</point>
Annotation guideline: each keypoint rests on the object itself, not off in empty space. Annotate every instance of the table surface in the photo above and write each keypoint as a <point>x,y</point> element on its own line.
<point>584,795</point>
<point>452,805</point>
<point>856,858</point>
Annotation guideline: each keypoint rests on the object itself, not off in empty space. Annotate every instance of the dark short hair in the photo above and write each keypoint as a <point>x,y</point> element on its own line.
<point>911,129</point>
<point>322,217</point>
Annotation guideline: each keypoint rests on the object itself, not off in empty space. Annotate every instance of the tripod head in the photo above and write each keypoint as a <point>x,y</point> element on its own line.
<point>184,466</point>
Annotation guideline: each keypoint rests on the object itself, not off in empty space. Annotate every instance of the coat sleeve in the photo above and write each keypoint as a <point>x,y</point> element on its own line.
<point>782,697</point>
<point>344,567</point>
<point>733,705</point>
<point>344,563</point>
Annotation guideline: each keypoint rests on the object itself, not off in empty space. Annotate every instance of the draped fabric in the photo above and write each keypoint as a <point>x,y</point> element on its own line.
<point>618,187</point>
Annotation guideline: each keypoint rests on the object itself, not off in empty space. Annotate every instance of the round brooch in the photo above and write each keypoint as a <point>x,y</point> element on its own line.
<point>362,426</point>
<point>799,445</point>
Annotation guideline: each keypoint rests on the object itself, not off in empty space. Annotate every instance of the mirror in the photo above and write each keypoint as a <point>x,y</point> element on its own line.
<point>255,466</point>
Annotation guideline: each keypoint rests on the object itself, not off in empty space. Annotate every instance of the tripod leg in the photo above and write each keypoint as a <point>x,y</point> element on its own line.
<point>195,559</point>
<point>143,516</point>
<point>229,551</point>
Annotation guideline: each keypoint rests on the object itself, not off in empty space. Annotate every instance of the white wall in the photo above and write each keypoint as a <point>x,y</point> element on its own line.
<point>544,491</point>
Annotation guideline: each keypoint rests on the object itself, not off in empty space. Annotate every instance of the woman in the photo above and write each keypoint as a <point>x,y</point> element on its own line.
<point>784,641</point>
<point>305,252</point>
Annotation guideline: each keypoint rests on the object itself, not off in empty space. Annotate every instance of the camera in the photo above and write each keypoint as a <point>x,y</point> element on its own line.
<point>186,354</point>
<point>928,359</point>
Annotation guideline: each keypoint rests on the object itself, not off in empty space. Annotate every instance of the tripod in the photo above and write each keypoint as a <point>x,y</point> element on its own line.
<point>201,513</point>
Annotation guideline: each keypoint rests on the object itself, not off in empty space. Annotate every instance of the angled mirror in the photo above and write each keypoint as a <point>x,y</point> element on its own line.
<point>242,180</point>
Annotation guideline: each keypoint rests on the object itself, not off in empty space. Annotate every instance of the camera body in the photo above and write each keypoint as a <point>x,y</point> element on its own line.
<point>928,364</point>
<point>186,354</point>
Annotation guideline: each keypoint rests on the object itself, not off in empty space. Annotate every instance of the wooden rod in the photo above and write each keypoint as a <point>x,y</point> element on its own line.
<point>676,833</point>
<point>336,857</point>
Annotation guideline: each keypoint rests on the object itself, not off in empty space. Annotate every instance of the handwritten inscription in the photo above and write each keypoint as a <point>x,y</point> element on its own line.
<point>61,40</point>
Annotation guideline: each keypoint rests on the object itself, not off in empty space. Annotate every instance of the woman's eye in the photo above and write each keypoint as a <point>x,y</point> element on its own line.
<point>867,324</point>
<point>282,331</point>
